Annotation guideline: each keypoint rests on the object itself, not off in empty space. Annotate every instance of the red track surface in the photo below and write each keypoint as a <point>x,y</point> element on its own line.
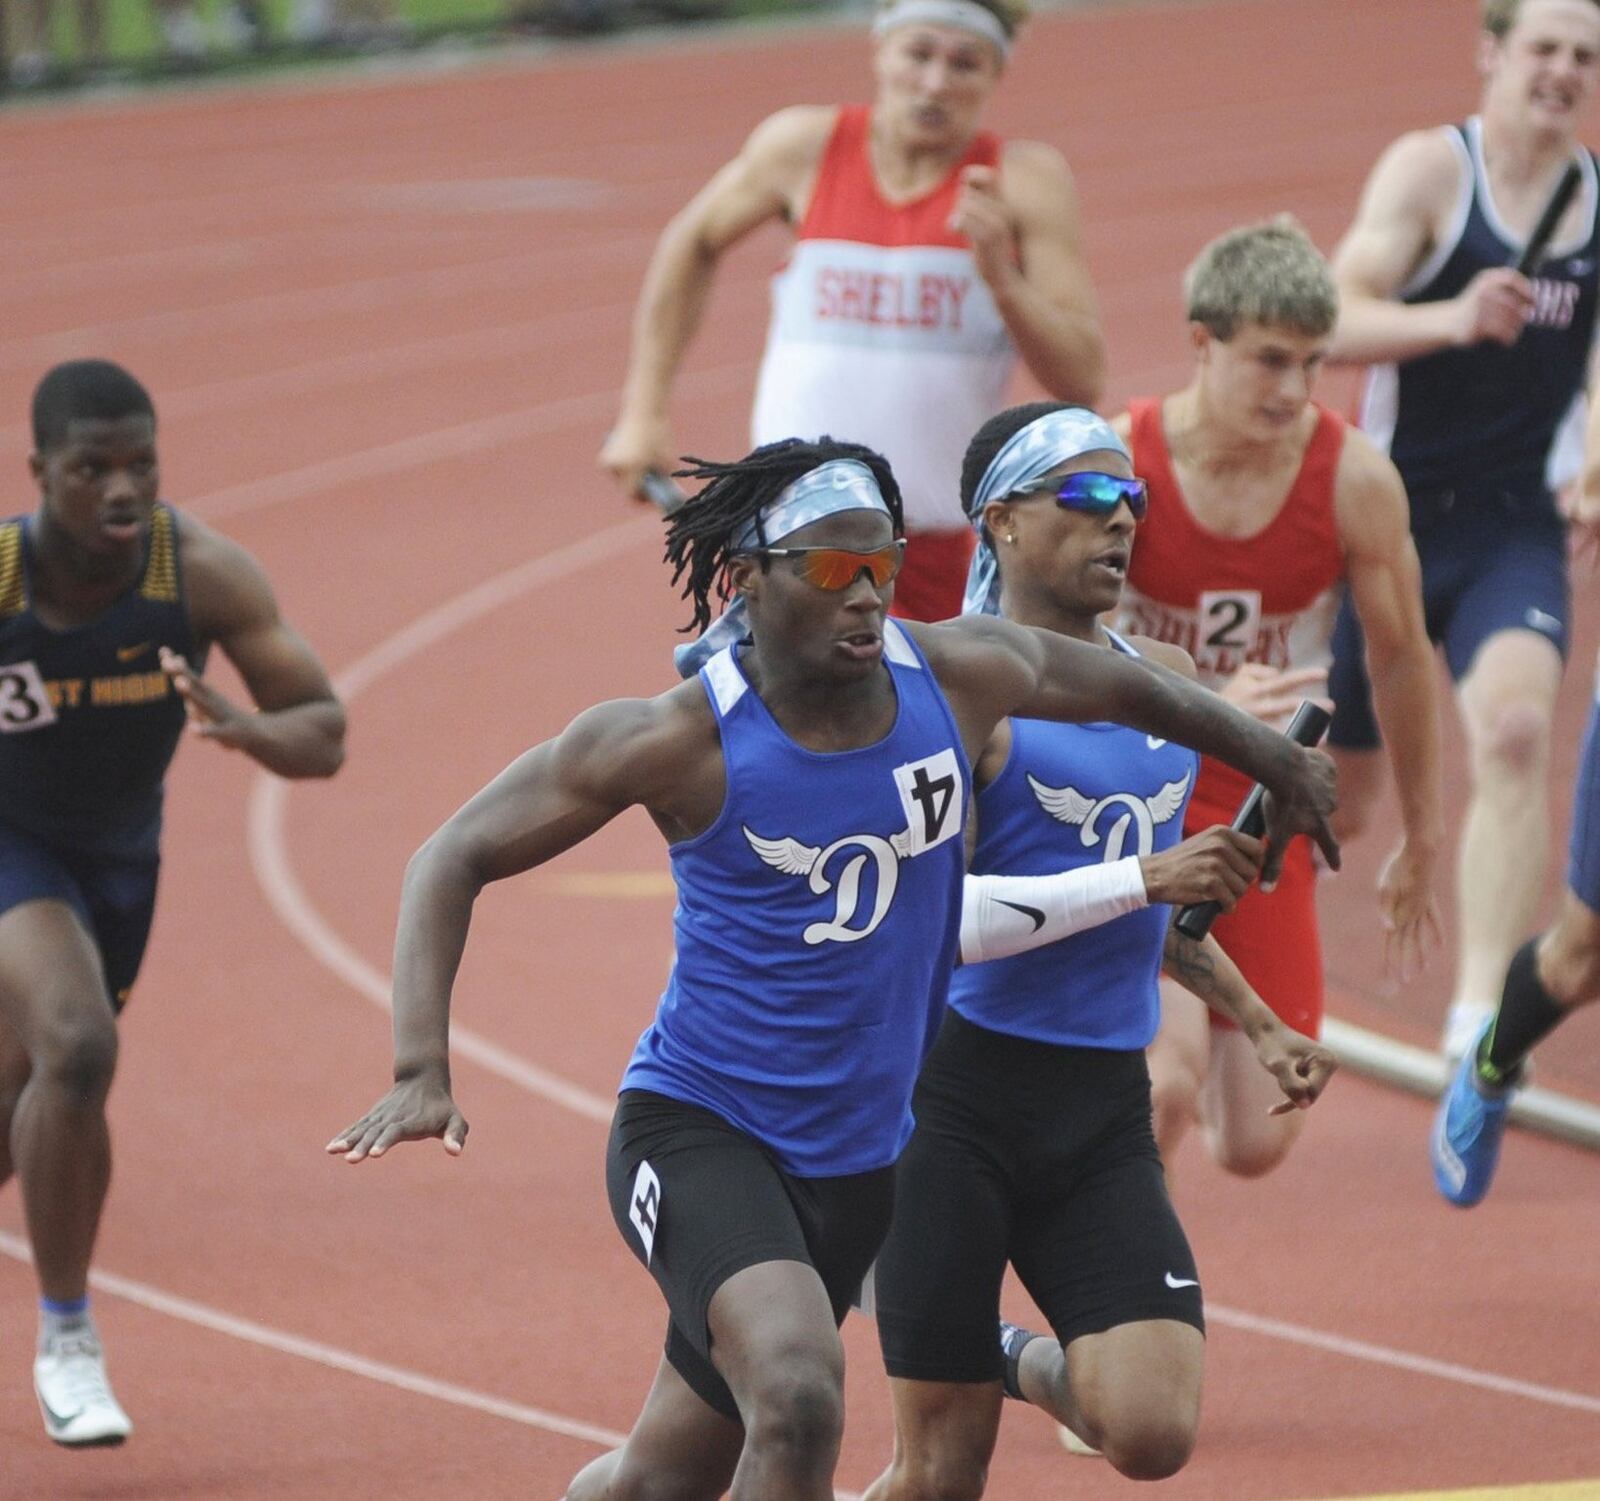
<point>384,322</point>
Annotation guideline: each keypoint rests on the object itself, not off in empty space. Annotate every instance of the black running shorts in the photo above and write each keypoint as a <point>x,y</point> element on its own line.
<point>1038,1155</point>
<point>698,1200</point>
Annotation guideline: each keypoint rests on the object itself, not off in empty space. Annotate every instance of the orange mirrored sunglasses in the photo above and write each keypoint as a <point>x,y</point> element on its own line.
<point>835,568</point>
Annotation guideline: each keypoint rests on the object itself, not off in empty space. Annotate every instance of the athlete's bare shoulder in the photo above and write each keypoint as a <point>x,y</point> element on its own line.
<point>225,588</point>
<point>983,664</point>
<point>1035,180</point>
<point>792,139</point>
<point>1418,174</point>
<point>1165,654</point>
<point>663,752</point>
<point>1369,497</point>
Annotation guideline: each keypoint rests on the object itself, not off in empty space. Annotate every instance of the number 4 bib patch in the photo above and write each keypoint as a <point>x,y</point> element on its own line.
<point>930,793</point>
<point>24,702</point>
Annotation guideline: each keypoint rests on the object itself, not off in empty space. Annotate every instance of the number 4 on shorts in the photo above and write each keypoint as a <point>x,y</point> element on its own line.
<point>644,1209</point>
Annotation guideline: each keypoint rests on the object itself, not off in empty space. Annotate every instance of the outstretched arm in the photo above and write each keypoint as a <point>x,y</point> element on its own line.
<point>546,801</point>
<point>991,668</point>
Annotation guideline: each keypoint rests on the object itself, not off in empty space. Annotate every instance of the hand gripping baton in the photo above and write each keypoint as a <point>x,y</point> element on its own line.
<point>1307,727</point>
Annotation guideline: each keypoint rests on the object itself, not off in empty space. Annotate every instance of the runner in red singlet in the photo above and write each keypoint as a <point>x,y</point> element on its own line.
<point>1264,508</point>
<point>928,254</point>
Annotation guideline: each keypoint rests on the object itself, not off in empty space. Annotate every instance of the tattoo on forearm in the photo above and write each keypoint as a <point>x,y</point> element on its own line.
<point>1190,965</point>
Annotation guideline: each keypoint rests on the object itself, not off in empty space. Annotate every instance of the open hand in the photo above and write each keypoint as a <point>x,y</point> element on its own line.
<point>414,1110</point>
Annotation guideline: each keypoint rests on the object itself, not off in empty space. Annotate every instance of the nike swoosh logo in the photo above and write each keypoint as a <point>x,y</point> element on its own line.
<point>1033,912</point>
<point>128,653</point>
<point>1177,1282</point>
<point>1153,743</point>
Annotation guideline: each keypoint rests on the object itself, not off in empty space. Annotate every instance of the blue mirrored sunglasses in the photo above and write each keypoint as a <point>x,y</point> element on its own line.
<point>1088,490</point>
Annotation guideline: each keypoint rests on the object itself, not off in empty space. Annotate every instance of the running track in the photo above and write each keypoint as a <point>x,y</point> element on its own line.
<point>384,321</point>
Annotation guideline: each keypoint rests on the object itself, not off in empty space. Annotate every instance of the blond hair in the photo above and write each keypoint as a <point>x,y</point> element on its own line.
<point>1499,16</point>
<point>1009,13</point>
<point>1264,273</point>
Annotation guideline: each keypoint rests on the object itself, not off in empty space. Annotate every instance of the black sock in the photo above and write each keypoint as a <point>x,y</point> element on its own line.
<point>1013,1338</point>
<point>1527,1013</point>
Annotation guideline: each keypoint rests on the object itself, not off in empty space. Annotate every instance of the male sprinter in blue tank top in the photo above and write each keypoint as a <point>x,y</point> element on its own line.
<point>109,601</point>
<point>812,783</point>
<point>1479,367</point>
<point>1034,1141</point>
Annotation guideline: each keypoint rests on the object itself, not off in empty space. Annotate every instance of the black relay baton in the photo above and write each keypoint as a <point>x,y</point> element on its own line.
<point>1308,726</point>
<point>661,491</point>
<point>1533,252</point>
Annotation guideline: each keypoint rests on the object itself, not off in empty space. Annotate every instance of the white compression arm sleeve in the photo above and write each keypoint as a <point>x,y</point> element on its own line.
<point>1005,915</point>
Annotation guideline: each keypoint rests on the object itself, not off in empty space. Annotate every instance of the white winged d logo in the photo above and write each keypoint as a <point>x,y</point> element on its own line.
<point>1069,806</point>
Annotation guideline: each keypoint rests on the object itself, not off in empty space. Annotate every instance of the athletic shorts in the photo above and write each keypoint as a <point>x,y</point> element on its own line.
<point>933,577</point>
<point>1483,572</point>
<point>1042,1156</point>
<point>113,896</point>
<point>697,1201</point>
<point>1583,872</point>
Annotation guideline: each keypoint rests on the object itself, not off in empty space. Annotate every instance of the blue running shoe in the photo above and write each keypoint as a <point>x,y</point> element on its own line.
<point>1467,1132</point>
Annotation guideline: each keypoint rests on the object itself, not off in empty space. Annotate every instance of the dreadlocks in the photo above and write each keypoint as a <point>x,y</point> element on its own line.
<point>700,535</point>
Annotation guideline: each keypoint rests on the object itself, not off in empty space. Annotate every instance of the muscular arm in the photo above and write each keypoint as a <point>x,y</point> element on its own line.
<point>762,183</point>
<point>1384,578</point>
<point>991,668</point>
<point>298,727</point>
<point>1037,272</point>
<point>661,753</point>
<point>1403,213</point>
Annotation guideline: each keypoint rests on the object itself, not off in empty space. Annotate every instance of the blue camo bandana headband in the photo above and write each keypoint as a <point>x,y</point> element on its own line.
<point>839,485</point>
<point>1028,454</point>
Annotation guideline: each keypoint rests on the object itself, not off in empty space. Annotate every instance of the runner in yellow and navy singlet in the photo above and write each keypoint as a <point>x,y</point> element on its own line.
<point>109,603</point>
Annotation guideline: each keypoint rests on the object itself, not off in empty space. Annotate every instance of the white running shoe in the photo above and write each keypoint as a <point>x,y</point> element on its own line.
<point>1075,1445</point>
<point>69,1378</point>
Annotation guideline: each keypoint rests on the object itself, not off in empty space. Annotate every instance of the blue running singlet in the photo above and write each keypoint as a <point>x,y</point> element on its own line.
<point>1072,795</point>
<point>816,927</point>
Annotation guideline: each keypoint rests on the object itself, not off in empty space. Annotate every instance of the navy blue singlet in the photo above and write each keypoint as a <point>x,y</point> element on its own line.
<point>1484,421</point>
<point>88,721</point>
<point>816,927</point>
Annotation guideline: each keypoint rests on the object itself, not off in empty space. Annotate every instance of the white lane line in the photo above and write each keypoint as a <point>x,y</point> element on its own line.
<point>1422,1365</point>
<point>441,444</point>
<point>528,338</point>
<point>445,284</point>
<point>329,1355</point>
